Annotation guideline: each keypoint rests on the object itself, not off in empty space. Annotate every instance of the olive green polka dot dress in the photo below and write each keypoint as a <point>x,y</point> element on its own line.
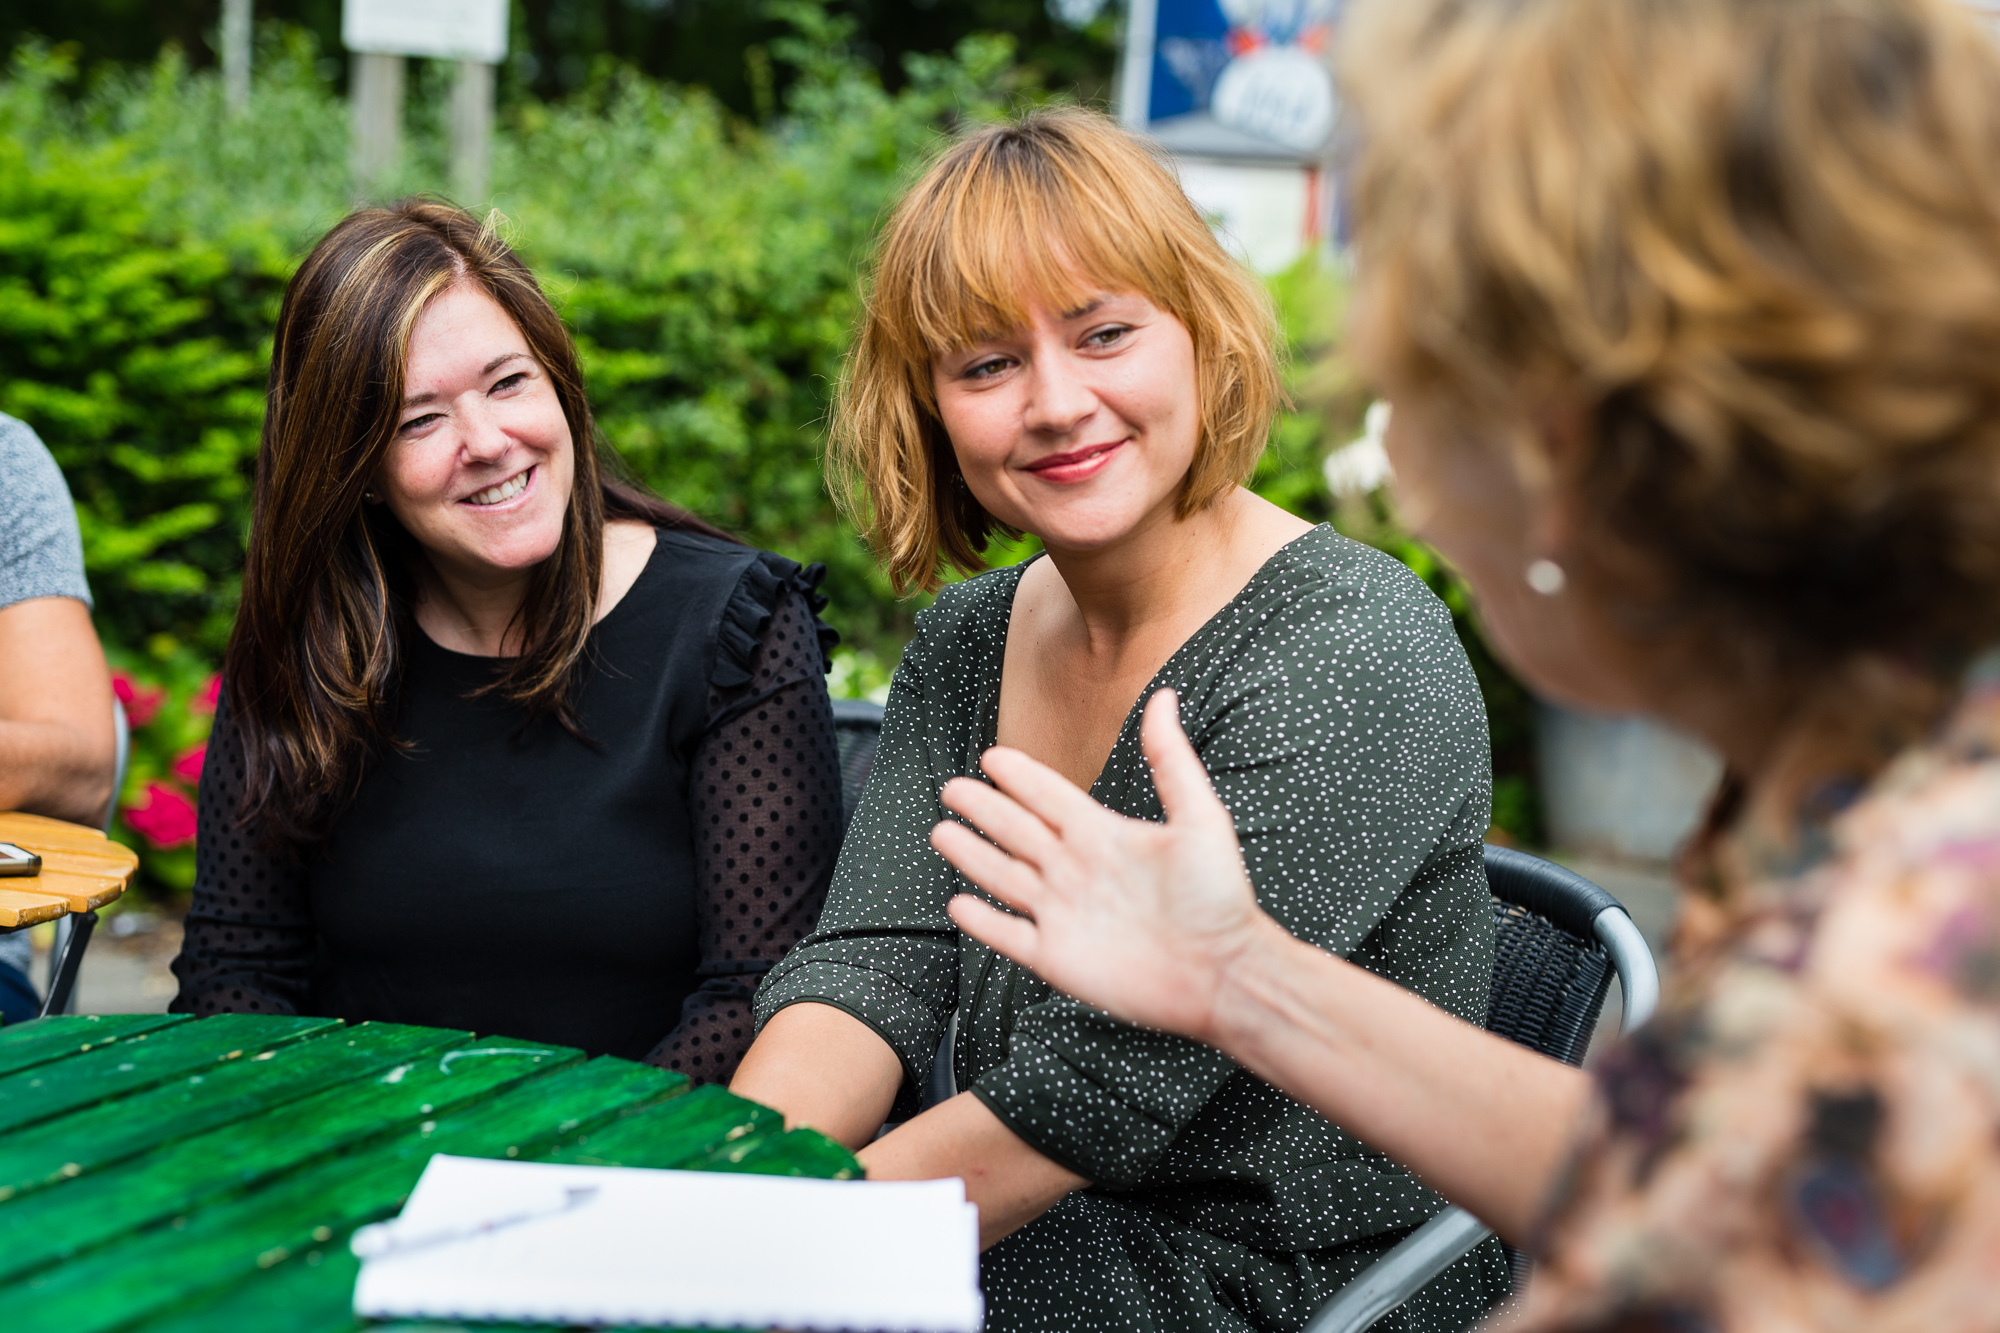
<point>1339,720</point>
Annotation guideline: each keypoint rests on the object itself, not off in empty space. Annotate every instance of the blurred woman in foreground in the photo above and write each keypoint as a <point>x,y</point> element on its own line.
<point>1690,313</point>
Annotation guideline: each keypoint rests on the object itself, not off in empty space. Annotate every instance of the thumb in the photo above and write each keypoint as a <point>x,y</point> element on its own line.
<point>1182,782</point>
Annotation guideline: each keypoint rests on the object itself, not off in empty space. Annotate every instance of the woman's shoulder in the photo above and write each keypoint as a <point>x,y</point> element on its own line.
<point>1842,981</point>
<point>969,613</point>
<point>1323,570</point>
<point>768,582</point>
<point>729,590</point>
<point>1326,598</point>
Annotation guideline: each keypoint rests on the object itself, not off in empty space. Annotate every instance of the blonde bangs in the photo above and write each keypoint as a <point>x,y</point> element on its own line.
<point>1054,210</point>
<point>1007,233</point>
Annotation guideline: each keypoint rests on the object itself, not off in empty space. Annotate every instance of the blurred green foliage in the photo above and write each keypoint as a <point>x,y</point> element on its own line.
<point>137,351</point>
<point>707,264</point>
<point>558,47</point>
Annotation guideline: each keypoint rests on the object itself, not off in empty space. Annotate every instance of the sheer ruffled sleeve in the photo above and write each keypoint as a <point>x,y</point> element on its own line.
<point>248,947</point>
<point>764,801</point>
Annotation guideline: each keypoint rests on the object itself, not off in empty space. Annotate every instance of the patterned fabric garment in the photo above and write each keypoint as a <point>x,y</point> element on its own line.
<point>1808,1136</point>
<point>1336,712</point>
<point>624,895</point>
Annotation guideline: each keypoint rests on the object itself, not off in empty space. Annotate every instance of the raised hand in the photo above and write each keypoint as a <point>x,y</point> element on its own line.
<point>1137,918</point>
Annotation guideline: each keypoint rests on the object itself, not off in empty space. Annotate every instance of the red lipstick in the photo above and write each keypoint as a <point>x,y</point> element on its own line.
<point>1075,464</point>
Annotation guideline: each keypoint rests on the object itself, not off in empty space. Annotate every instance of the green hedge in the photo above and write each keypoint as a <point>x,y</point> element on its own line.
<point>707,266</point>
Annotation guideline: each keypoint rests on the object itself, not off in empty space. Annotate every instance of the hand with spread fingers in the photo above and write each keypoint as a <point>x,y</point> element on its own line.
<point>1137,918</point>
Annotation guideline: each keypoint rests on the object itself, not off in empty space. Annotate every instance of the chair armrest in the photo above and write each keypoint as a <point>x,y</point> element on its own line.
<point>1638,975</point>
<point>1401,1273</point>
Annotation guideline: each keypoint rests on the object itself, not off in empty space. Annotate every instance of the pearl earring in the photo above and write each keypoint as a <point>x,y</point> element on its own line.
<point>1546,577</point>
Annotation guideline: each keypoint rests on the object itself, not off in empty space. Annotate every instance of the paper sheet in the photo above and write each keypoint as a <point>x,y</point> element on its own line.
<point>534,1242</point>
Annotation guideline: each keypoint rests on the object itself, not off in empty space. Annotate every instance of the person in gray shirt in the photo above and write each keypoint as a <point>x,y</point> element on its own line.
<point>57,746</point>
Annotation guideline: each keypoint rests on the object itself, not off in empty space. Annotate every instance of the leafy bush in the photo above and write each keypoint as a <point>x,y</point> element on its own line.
<point>137,353</point>
<point>707,266</point>
<point>170,705</point>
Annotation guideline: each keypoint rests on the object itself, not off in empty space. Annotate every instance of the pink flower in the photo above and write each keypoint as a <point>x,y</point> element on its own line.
<point>163,816</point>
<point>205,701</point>
<point>187,767</point>
<point>141,701</point>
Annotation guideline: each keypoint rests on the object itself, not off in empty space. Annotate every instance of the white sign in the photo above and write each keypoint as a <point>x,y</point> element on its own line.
<point>1279,93</point>
<point>440,29</point>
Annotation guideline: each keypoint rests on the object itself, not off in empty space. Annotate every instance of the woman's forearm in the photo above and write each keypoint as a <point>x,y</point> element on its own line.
<point>57,749</point>
<point>1011,1182</point>
<point>822,1067</point>
<point>52,768</point>
<point>1484,1122</point>
<point>825,1068</point>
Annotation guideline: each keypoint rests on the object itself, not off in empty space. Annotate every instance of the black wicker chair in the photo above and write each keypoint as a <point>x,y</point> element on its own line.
<point>857,729</point>
<point>1559,940</point>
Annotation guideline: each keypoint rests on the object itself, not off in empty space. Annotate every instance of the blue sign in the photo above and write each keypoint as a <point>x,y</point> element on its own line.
<point>1249,69</point>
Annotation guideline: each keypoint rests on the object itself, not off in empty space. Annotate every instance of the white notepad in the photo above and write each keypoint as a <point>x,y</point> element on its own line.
<point>533,1242</point>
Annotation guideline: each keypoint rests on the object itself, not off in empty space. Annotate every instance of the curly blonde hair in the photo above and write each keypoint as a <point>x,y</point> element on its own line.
<point>1049,207</point>
<point>1759,240</point>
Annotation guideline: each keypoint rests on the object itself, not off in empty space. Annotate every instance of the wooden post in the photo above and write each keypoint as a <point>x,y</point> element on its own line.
<point>236,53</point>
<point>472,132</point>
<point>376,87</point>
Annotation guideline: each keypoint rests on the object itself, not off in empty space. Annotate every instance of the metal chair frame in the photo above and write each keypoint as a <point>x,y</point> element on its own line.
<point>857,728</point>
<point>1586,915</point>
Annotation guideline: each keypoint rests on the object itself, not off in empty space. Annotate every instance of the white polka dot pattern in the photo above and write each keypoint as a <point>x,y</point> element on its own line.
<point>1340,721</point>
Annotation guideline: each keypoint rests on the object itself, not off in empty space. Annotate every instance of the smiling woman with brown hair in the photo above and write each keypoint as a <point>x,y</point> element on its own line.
<point>504,744</point>
<point>1056,344</point>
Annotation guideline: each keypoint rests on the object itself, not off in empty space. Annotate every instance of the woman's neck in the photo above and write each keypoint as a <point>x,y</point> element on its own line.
<point>1793,741</point>
<point>1168,567</point>
<point>471,612</point>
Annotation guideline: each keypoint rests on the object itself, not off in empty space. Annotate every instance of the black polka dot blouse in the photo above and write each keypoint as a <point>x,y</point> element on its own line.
<point>622,892</point>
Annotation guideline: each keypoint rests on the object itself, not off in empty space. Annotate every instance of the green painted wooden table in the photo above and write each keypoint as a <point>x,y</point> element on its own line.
<point>163,1173</point>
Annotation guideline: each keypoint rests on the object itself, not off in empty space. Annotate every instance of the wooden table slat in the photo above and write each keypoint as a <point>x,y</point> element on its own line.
<point>143,1061</point>
<point>42,1040</point>
<point>231,1240</point>
<point>100,1136</point>
<point>49,1226</point>
<point>264,1163</point>
<point>24,907</point>
<point>81,869</point>
<point>40,831</point>
<point>312,1292</point>
<point>79,891</point>
<point>680,1133</point>
<point>800,1152</point>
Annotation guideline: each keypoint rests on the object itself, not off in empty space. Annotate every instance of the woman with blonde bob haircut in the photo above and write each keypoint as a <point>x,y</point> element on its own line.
<point>1689,311</point>
<point>1055,344</point>
<point>961,264</point>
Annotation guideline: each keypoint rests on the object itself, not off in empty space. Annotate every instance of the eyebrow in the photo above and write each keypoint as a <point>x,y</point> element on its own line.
<point>1083,309</point>
<point>419,399</point>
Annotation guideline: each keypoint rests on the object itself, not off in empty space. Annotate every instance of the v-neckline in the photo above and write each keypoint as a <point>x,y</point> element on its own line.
<point>989,720</point>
